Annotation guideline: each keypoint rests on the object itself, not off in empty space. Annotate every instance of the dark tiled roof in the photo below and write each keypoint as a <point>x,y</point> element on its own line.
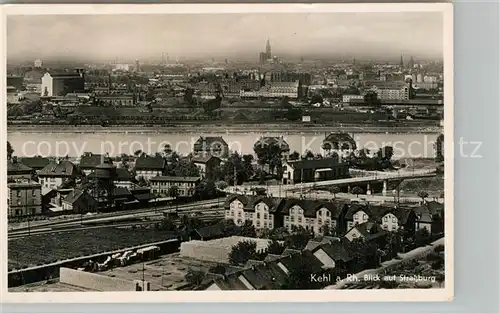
<point>310,207</point>
<point>123,174</point>
<point>211,232</point>
<point>340,139</point>
<point>272,141</point>
<point>175,179</point>
<point>17,168</point>
<point>370,230</point>
<point>73,196</point>
<point>64,168</point>
<point>335,250</point>
<point>35,162</point>
<point>150,163</point>
<point>209,142</point>
<point>91,161</point>
<point>120,192</point>
<point>64,74</point>
<point>23,185</point>
<point>316,163</point>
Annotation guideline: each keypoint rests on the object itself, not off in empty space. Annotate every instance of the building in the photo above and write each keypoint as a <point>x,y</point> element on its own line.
<point>36,163</point>
<point>124,178</point>
<point>115,100</point>
<point>311,215</point>
<point>58,172</point>
<point>13,96</point>
<point>148,167</point>
<point>60,84</point>
<point>33,80</point>
<point>260,211</point>
<point>392,90</point>
<point>341,143</point>
<point>79,201</point>
<point>207,164</point>
<point>38,63</point>
<point>346,99</point>
<point>160,185</point>
<point>17,171</point>
<point>211,145</point>
<point>274,90</point>
<point>314,170</point>
<point>24,199</point>
<point>88,162</point>
<point>430,216</point>
<point>368,231</point>
<point>279,141</point>
<point>15,81</point>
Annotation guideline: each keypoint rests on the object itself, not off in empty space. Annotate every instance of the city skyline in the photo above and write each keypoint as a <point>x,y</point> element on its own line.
<point>235,36</point>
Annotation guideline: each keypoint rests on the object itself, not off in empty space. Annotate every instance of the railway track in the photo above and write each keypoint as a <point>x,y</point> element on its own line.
<point>206,214</point>
<point>115,215</point>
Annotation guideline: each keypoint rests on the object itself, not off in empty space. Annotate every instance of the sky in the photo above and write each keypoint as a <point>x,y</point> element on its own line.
<point>130,37</point>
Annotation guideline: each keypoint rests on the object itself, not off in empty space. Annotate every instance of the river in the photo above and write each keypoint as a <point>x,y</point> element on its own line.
<point>26,144</point>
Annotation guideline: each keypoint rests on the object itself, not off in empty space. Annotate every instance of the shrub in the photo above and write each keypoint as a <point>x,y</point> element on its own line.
<point>439,248</point>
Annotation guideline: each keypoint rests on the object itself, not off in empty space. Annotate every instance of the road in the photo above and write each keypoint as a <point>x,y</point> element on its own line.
<point>115,215</point>
<point>277,190</point>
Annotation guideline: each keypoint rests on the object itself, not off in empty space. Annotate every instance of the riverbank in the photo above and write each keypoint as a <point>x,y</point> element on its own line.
<point>294,128</point>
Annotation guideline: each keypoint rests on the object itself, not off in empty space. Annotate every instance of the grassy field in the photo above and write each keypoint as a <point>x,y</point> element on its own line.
<point>434,186</point>
<point>47,248</point>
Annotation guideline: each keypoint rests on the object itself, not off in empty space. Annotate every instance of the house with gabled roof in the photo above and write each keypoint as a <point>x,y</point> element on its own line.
<point>148,167</point>
<point>79,201</point>
<point>341,143</point>
<point>207,164</point>
<point>89,161</point>
<point>58,172</point>
<point>369,231</point>
<point>332,255</point>
<point>211,145</point>
<point>18,171</point>
<point>36,163</point>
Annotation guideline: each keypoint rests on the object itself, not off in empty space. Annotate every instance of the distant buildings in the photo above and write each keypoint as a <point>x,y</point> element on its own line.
<point>38,63</point>
<point>389,90</point>
<point>266,56</point>
<point>60,84</point>
<point>207,165</point>
<point>186,186</point>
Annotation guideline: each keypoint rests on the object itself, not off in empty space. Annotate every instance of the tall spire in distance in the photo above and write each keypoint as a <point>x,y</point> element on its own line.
<point>268,49</point>
<point>401,63</point>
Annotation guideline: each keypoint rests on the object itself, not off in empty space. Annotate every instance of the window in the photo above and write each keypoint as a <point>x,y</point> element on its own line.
<point>320,221</point>
<point>327,213</point>
<point>365,217</point>
<point>385,227</point>
<point>265,216</point>
<point>291,218</point>
<point>393,219</point>
<point>355,216</point>
<point>385,218</point>
<point>265,224</point>
<point>227,212</point>
<point>232,212</point>
<point>239,214</point>
<point>18,193</point>
<point>258,215</point>
<point>286,218</point>
<point>258,223</point>
<point>240,205</point>
<point>327,222</point>
<point>270,225</point>
<point>292,211</point>
<point>299,219</point>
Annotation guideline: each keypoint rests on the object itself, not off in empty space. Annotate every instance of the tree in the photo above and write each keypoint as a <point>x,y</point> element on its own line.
<point>217,269</point>
<point>422,237</point>
<point>232,165</point>
<point>247,164</point>
<point>294,156</point>
<point>276,248</point>
<point>138,153</point>
<point>173,192</point>
<point>394,243</point>
<point>221,185</point>
<point>440,148</point>
<point>299,238</point>
<point>357,190</point>
<point>335,189</point>
<point>194,277</point>
<point>371,100</point>
<point>248,230</point>
<point>279,234</point>
<point>142,182</point>
<point>167,149</point>
<point>364,253</point>
<point>423,195</point>
<point>316,98</point>
<point>10,151</point>
<point>269,149</point>
<point>229,228</point>
<point>242,252</point>
<point>385,153</point>
<point>308,155</point>
<point>326,230</point>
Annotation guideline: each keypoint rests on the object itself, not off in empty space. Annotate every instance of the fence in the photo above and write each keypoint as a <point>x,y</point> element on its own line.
<point>50,271</point>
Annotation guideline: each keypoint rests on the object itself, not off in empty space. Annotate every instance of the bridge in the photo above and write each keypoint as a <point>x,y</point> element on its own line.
<point>369,178</point>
